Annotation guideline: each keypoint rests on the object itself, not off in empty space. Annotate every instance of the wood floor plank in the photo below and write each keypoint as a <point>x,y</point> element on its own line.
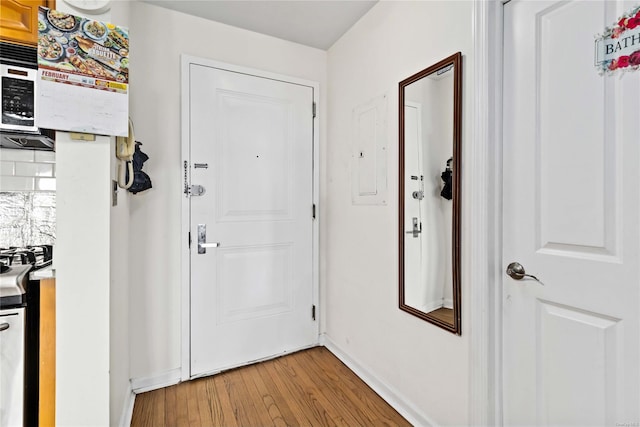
<point>182,409</point>
<point>269,412</point>
<point>388,415</point>
<point>149,409</point>
<point>370,401</point>
<point>308,388</point>
<point>198,403</point>
<point>443,314</point>
<point>221,407</point>
<point>271,393</point>
<point>243,408</point>
<point>140,411</point>
<point>202,397</point>
<point>340,410</point>
<point>170,418</point>
<point>368,407</point>
<point>143,410</point>
<point>304,396</point>
<point>367,396</point>
<point>340,393</point>
<point>332,408</point>
<point>282,392</point>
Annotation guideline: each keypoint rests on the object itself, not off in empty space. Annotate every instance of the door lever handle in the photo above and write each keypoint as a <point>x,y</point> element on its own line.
<point>417,227</point>
<point>208,245</point>
<point>202,240</point>
<point>515,270</point>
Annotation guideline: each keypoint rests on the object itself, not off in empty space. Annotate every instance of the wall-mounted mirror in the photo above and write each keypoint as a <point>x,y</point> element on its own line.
<point>429,223</point>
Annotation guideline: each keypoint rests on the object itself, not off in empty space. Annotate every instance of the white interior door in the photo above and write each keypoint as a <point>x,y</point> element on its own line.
<point>571,215</point>
<point>251,142</point>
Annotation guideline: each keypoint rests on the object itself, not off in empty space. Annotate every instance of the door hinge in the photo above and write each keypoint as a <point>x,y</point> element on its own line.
<point>314,110</point>
<point>313,211</point>
<point>313,312</point>
<point>189,239</point>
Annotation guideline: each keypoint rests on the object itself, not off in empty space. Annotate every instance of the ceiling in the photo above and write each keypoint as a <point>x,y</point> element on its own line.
<point>317,23</point>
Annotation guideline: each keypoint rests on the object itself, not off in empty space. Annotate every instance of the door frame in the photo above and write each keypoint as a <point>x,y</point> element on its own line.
<point>483,213</point>
<point>185,285</point>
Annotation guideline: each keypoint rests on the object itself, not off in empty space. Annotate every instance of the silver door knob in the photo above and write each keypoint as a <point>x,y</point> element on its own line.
<point>515,270</point>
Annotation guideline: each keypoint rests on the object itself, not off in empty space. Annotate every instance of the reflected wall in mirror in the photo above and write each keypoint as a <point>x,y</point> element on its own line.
<point>429,223</point>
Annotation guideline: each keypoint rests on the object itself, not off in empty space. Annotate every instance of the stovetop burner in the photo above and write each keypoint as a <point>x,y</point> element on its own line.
<point>38,256</point>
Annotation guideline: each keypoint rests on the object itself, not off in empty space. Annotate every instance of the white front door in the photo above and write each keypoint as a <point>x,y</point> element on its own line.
<point>413,184</point>
<point>251,149</point>
<point>571,218</point>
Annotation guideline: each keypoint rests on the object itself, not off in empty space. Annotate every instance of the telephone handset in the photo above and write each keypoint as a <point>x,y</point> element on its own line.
<point>125,147</point>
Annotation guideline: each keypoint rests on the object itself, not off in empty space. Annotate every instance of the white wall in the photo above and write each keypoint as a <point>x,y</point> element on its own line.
<point>158,37</point>
<point>426,365</point>
<point>81,260</point>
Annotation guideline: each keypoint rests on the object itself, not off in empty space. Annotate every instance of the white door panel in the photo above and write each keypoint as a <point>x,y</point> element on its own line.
<point>251,297</point>
<point>258,130</point>
<point>571,215</point>
<point>414,271</point>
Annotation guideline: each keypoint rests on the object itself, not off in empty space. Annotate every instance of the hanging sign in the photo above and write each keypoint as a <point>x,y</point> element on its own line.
<point>83,74</point>
<point>619,47</point>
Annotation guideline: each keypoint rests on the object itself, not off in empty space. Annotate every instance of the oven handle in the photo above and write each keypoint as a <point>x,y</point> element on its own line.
<point>4,326</point>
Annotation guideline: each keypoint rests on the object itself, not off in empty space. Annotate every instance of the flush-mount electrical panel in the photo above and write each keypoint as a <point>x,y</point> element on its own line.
<point>369,153</point>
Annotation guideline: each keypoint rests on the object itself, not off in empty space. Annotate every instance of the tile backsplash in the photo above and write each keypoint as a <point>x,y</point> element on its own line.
<point>27,170</point>
<point>27,197</point>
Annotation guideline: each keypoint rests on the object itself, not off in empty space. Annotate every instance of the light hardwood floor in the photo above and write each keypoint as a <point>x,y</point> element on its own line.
<point>307,388</point>
<point>444,314</point>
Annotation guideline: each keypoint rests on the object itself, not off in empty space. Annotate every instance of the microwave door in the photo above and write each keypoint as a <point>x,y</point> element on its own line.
<point>18,91</point>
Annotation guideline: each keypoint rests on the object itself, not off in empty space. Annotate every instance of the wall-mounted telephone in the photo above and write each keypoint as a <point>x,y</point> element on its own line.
<point>125,147</point>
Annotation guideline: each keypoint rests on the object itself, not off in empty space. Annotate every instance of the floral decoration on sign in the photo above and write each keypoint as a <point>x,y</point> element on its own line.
<point>618,48</point>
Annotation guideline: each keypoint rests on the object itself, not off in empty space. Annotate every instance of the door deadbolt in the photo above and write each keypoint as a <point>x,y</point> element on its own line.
<point>197,190</point>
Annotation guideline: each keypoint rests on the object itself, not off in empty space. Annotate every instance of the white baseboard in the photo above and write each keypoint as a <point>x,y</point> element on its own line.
<point>387,392</point>
<point>166,379</point>
<point>127,407</point>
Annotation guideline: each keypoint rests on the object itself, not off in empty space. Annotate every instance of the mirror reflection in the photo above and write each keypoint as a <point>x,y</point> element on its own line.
<point>430,192</point>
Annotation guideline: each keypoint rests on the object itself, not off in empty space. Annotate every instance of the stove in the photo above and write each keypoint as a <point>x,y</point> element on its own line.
<point>13,286</point>
<point>19,332</point>
<point>15,265</point>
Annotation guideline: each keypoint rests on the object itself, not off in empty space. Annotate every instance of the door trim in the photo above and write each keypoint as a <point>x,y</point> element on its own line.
<point>484,218</point>
<point>185,62</point>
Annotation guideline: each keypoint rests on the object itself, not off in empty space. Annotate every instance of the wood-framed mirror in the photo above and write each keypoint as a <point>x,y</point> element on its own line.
<point>430,128</point>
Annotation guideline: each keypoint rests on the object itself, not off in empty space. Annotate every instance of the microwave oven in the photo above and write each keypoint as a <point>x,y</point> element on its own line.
<point>18,97</point>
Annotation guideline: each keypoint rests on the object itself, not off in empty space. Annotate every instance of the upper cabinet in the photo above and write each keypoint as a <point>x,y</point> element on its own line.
<point>19,20</point>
